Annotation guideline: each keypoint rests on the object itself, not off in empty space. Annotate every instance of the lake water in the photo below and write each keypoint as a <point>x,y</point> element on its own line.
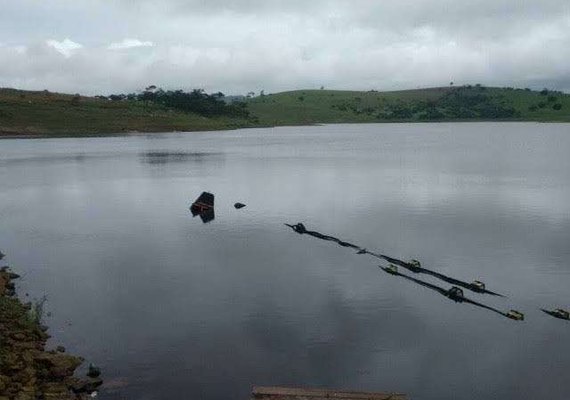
<point>171,308</point>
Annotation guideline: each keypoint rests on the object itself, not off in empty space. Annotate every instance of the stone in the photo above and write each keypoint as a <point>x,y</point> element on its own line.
<point>93,371</point>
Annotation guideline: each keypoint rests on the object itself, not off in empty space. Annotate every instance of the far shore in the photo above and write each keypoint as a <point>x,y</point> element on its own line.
<point>27,114</point>
<point>28,135</point>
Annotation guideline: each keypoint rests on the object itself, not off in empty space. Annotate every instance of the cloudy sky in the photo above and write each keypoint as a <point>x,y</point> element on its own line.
<point>111,46</point>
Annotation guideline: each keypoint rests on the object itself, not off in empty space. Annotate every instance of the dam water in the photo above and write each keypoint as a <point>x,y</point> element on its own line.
<point>171,308</point>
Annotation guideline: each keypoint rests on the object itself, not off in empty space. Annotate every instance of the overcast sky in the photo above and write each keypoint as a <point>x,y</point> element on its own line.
<point>112,46</point>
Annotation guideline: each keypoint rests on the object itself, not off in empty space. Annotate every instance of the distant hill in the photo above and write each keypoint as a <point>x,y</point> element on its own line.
<point>53,114</point>
<point>466,103</point>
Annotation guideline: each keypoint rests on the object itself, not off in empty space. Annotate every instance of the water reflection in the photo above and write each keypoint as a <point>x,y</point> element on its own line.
<point>50,158</point>
<point>166,157</point>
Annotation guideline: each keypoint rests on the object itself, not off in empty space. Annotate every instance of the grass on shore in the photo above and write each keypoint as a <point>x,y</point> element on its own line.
<point>41,113</point>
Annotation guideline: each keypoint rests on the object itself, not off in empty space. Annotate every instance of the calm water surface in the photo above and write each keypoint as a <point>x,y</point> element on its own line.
<point>172,308</point>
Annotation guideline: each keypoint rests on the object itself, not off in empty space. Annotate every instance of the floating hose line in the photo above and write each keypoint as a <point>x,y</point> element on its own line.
<point>454,293</point>
<point>413,266</point>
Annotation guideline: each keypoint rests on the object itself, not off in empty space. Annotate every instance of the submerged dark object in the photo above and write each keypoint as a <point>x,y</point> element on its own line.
<point>204,207</point>
<point>455,293</point>
<point>299,228</point>
<point>2,255</point>
<point>239,205</point>
<point>93,371</point>
<point>558,313</point>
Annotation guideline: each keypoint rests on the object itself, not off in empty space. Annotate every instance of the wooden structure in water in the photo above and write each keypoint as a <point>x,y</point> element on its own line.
<point>285,393</point>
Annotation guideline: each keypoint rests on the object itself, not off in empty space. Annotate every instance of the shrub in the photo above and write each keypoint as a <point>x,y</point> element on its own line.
<point>36,313</point>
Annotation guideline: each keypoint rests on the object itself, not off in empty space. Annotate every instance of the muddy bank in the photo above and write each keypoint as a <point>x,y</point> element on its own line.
<point>27,369</point>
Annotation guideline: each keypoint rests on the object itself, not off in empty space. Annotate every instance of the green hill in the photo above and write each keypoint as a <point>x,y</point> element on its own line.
<point>52,114</point>
<point>46,113</point>
<point>434,104</point>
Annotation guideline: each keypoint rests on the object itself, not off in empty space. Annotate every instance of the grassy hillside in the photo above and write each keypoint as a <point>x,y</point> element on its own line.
<point>33,113</point>
<point>435,104</point>
<point>45,113</point>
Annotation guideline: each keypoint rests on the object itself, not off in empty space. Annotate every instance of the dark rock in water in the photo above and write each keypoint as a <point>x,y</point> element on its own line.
<point>2,255</point>
<point>93,371</point>
<point>239,205</point>
<point>60,349</point>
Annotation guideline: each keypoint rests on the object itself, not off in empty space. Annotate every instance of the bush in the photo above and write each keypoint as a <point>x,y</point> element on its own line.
<point>557,107</point>
<point>36,313</point>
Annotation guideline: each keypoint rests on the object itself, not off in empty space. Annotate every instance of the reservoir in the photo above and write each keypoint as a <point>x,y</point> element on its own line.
<point>170,307</point>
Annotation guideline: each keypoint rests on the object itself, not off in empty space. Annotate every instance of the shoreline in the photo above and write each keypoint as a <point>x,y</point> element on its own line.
<point>27,369</point>
<point>24,135</point>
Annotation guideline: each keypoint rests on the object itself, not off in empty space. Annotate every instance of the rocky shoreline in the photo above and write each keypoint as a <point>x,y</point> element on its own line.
<point>28,370</point>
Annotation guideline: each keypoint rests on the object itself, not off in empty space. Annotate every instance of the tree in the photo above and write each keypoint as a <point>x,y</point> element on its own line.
<point>117,97</point>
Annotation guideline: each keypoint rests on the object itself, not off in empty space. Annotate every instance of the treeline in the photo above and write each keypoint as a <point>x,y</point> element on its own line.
<point>196,101</point>
<point>552,101</point>
<point>460,103</point>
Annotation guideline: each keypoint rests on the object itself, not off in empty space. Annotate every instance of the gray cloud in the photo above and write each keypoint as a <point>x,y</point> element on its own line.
<point>235,47</point>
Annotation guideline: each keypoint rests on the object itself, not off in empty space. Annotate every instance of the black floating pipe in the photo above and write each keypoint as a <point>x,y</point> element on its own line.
<point>455,295</point>
<point>422,270</point>
<point>301,229</point>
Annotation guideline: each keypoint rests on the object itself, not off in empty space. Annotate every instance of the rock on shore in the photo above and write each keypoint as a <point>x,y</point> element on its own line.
<point>27,370</point>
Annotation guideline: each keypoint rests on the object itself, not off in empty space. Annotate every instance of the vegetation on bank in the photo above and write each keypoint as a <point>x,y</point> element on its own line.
<point>45,113</point>
<point>27,370</point>
<point>156,110</point>
<point>465,103</point>
<point>196,101</point>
